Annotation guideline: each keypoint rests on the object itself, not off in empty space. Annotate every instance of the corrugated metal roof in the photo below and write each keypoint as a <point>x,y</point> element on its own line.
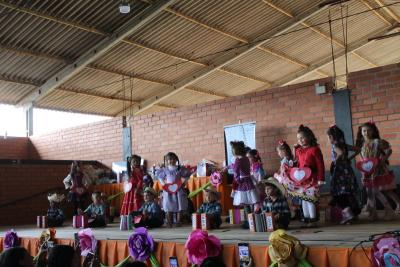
<point>248,18</point>
<point>188,97</point>
<point>31,68</point>
<point>10,92</point>
<point>183,31</point>
<point>263,65</point>
<point>309,77</point>
<point>179,36</point>
<point>131,59</point>
<point>227,84</point>
<point>354,63</point>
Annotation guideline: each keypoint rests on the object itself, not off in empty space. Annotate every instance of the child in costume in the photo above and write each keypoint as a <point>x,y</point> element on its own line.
<point>76,182</point>
<point>55,216</point>
<point>293,190</point>
<point>276,203</point>
<point>170,177</point>
<point>256,166</point>
<point>245,193</point>
<point>212,206</point>
<point>150,213</point>
<point>96,211</point>
<point>309,157</point>
<point>381,179</point>
<point>344,187</point>
<point>133,188</point>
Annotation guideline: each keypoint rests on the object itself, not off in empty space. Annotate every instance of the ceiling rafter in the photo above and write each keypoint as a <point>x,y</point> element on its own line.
<point>388,10</point>
<point>98,50</point>
<point>225,59</point>
<point>205,92</point>
<point>314,29</point>
<point>125,40</point>
<point>327,60</point>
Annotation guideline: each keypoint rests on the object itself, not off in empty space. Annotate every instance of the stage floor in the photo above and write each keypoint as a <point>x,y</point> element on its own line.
<point>324,235</point>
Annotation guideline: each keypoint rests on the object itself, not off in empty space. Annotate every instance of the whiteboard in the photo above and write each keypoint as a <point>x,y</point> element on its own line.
<point>245,132</point>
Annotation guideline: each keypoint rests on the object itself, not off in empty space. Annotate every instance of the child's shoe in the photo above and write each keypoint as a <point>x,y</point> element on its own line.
<point>312,223</point>
<point>347,215</point>
<point>389,214</point>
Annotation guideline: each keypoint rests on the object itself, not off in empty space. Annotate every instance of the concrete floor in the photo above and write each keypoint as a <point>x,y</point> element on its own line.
<point>326,235</point>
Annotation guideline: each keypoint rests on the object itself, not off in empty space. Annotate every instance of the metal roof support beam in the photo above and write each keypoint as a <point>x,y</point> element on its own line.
<point>377,14</point>
<point>97,51</point>
<point>325,61</point>
<point>223,60</point>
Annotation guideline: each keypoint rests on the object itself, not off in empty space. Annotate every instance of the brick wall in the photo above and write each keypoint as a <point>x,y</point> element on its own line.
<point>101,141</point>
<point>23,180</point>
<point>376,96</point>
<point>14,148</point>
<point>198,132</point>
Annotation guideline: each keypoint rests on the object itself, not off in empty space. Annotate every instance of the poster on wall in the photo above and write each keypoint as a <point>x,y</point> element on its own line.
<point>245,132</point>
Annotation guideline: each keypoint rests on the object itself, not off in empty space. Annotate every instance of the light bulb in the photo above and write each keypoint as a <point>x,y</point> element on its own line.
<point>124,8</point>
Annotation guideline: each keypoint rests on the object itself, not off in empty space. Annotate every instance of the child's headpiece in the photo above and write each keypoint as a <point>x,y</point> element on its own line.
<point>281,142</point>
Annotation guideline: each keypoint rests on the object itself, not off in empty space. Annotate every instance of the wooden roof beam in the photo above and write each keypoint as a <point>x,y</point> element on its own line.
<point>97,50</point>
<point>227,58</point>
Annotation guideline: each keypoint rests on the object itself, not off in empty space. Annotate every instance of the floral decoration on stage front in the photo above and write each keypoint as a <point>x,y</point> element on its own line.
<point>141,246</point>
<point>215,180</point>
<point>200,246</point>
<point>11,239</point>
<point>87,242</point>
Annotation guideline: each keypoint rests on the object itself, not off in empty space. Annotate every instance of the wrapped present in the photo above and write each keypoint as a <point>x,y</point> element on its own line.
<point>80,221</point>
<point>258,219</point>
<point>205,221</point>
<point>236,216</point>
<point>41,221</point>
<point>196,221</point>
<point>250,218</point>
<point>270,222</point>
<point>125,223</point>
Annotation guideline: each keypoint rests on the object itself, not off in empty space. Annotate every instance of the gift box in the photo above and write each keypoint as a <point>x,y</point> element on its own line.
<point>196,221</point>
<point>205,168</point>
<point>205,221</point>
<point>250,219</point>
<point>125,223</point>
<point>237,216</point>
<point>80,221</point>
<point>41,221</point>
<point>270,222</point>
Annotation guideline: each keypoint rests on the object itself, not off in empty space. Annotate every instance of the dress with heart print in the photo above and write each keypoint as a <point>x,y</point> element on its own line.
<point>176,199</point>
<point>133,198</point>
<point>382,177</point>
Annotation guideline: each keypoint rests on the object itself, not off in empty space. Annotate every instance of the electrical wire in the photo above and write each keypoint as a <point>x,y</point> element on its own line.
<point>333,52</point>
<point>345,40</point>
<point>239,46</point>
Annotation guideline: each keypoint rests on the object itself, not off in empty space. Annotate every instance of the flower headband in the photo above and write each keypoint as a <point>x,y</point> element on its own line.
<point>281,142</point>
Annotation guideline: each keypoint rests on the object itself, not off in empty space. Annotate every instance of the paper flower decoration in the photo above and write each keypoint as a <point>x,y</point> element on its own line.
<point>200,246</point>
<point>87,242</point>
<point>141,246</point>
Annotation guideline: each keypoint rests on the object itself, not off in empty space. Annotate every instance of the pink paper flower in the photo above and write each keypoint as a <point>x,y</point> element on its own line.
<point>87,242</point>
<point>200,246</point>
<point>216,178</point>
<point>11,239</point>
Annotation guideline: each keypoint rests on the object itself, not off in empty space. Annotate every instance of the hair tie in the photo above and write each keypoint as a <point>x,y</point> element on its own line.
<point>332,125</point>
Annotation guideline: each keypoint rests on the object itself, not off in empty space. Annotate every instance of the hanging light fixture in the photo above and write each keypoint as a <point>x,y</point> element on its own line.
<point>124,7</point>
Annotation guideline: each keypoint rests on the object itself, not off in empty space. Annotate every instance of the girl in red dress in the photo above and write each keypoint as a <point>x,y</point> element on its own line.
<point>133,188</point>
<point>308,154</point>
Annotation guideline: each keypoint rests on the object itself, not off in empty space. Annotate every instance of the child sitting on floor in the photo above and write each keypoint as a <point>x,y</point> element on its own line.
<point>212,206</point>
<point>150,214</point>
<point>276,203</point>
<point>96,211</point>
<point>55,216</point>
